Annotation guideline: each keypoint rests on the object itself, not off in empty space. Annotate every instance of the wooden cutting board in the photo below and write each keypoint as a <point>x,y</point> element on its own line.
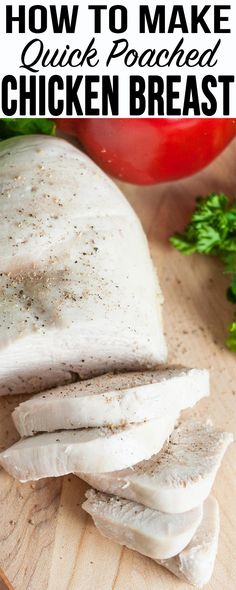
<point>46,541</point>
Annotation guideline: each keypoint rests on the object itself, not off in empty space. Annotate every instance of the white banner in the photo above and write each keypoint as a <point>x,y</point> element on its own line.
<point>128,59</point>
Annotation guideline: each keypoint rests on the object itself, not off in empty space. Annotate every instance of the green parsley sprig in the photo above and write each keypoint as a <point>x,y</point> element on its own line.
<point>10,127</point>
<point>212,232</point>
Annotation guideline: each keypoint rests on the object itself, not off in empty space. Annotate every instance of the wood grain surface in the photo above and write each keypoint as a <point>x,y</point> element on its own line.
<point>46,541</point>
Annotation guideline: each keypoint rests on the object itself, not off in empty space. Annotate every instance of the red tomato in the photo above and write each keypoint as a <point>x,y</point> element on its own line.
<point>146,151</point>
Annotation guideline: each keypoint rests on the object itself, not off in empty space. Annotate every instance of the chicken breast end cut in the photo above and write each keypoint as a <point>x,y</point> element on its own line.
<point>195,563</point>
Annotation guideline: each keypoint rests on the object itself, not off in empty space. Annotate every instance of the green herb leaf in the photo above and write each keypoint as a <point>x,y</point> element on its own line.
<point>231,340</point>
<point>181,243</point>
<point>212,231</point>
<point>10,127</point>
<point>231,291</point>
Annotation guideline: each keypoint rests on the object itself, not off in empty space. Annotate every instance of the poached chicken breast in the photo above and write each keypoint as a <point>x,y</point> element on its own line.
<point>112,400</point>
<point>179,477</point>
<point>79,294</point>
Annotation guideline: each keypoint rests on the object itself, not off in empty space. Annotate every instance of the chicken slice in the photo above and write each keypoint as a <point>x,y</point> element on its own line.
<point>112,400</point>
<point>176,479</point>
<point>100,449</point>
<point>78,292</point>
<point>150,532</point>
<point>195,563</point>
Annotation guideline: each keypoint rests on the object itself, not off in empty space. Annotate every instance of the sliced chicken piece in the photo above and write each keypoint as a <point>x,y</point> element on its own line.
<point>112,400</point>
<point>195,563</point>
<point>103,449</point>
<point>152,533</point>
<point>176,479</point>
<point>79,294</point>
